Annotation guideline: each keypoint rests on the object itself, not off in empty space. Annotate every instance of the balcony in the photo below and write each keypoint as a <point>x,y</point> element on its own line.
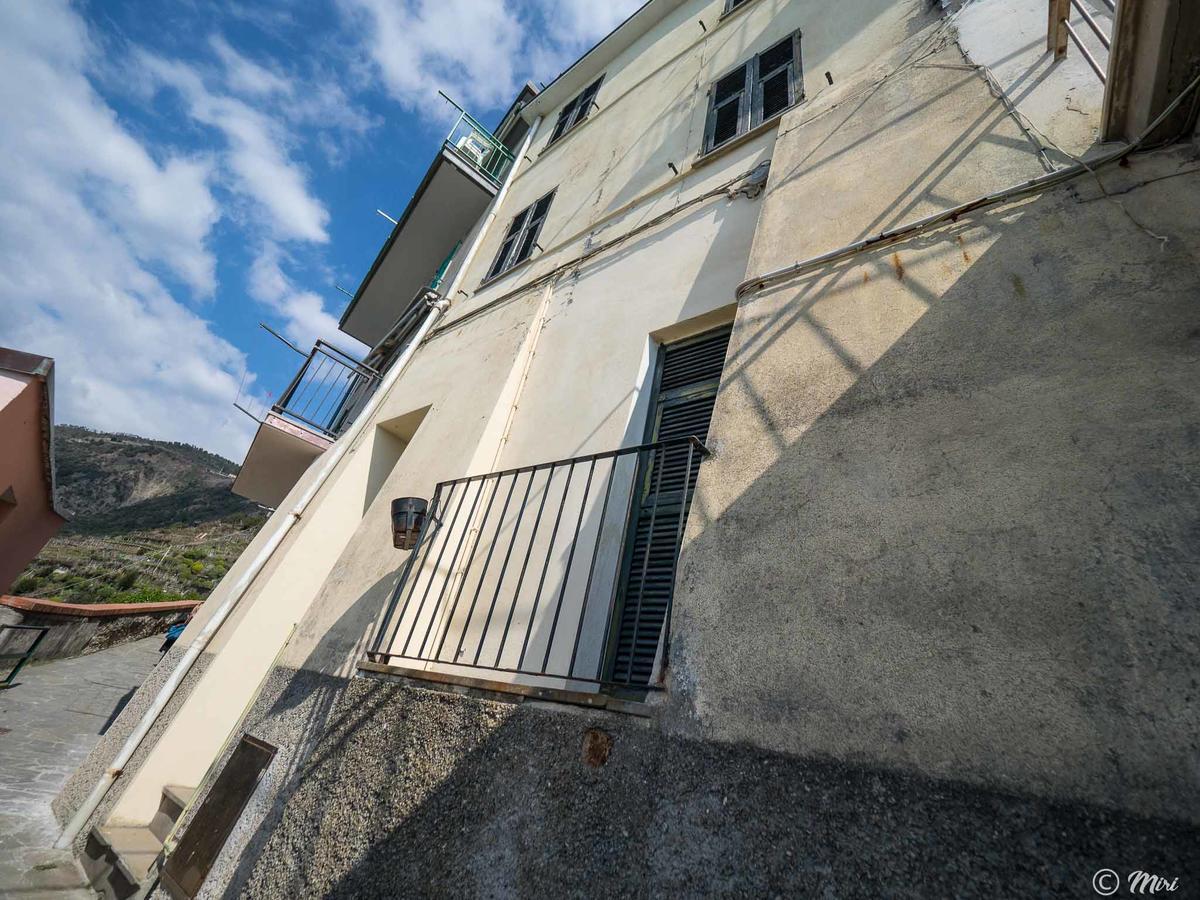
<point>470,165</point>
<point>320,403</point>
<point>554,576</point>
<point>328,391</point>
<point>477,147</point>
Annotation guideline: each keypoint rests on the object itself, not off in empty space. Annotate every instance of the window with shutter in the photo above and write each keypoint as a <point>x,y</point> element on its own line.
<point>685,393</point>
<point>521,238</point>
<point>755,92</point>
<point>576,110</point>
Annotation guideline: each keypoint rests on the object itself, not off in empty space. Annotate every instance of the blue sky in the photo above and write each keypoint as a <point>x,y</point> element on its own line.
<point>177,171</point>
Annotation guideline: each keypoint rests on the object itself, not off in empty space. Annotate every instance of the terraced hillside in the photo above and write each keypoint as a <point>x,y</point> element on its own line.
<point>150,520</point>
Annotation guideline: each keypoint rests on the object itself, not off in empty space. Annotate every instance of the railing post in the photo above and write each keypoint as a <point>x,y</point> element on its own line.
<point>1056,32</point>
<point>28,654</point>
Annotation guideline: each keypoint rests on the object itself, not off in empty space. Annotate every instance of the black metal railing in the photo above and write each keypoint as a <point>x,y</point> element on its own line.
<point>561,570</point>
<point>329,390</point>
<point>24,655</point>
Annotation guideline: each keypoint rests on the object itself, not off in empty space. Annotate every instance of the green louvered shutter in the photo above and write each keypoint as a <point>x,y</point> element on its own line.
<point>686,390</point>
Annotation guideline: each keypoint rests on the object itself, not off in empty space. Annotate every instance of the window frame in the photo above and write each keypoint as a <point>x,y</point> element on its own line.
<point>571,114</point>
<point>521,230</point>
<point>731,5</point>
<point>750,115</point>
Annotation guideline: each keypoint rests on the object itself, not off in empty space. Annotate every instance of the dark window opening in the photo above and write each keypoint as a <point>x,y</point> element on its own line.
<point>755,92</point>
<point>731,5</point>
<point>521,237</point>
<point>577,110</point>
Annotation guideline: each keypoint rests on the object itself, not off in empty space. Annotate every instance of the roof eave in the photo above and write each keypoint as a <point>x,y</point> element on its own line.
<point>576,76</point>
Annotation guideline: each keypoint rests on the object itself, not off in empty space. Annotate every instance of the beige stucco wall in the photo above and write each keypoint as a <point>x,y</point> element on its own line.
<point>954,470</point>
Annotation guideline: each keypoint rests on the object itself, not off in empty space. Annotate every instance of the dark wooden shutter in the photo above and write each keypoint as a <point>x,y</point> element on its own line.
<point>776,79</point>
<point>729,108</point>
<point>688,376</point>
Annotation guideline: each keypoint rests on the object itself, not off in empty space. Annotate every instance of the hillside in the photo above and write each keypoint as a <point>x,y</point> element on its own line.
<point>150,520</point>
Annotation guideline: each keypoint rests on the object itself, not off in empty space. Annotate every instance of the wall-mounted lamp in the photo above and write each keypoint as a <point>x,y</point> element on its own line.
<point>408,519</point>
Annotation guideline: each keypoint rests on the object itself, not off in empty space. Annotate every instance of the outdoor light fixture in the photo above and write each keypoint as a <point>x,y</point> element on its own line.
<point>408,518</point>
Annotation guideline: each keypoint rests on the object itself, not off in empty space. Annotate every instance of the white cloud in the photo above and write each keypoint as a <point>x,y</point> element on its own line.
<point>87,213</point>
<point>478,51</point>
<point>303,311</point>
<point>257,155</point>
<point>245,77</point>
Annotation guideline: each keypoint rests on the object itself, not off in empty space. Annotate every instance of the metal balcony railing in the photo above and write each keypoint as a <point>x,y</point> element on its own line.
<point>563,570</point>
<point>475,145</point>
<point>1061,30</point>
<point>328,392</point>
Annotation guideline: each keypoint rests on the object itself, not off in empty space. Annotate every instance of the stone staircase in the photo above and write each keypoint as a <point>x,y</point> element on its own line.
<point>119,858</point>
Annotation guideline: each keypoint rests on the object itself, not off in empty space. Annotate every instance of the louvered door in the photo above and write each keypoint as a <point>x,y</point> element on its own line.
<point>685,390</point>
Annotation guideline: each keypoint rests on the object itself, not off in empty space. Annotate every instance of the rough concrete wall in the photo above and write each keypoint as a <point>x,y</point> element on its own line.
<point>294,712</point>
<point>66,638</point>
<point>74,635</point>
<point>123,629</point>
<point>967,466</point>
<point>88,774</point>
<point>409,793</point>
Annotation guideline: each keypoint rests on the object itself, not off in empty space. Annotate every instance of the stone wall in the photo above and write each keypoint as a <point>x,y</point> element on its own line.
<point>385,790</point>
<point>958,475</point>
<point>77,628</point>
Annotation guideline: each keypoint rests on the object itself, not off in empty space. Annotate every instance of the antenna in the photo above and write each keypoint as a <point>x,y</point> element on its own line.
<point>386,216</point>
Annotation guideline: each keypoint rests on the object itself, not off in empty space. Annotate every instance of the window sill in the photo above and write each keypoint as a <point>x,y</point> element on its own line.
<point>757,131</point>
<point>500,276</point>
<point>562,138</point>
<point>737,10</point>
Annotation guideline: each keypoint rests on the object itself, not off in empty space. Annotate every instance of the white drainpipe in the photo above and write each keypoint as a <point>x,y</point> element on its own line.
<point>329,462</point>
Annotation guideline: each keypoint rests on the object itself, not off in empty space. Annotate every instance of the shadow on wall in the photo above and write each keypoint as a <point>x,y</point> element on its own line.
<point>413,793</point>
<point>306,708</point>
<point>965,463</point>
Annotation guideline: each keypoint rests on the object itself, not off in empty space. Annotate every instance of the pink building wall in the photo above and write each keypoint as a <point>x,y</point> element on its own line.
<point>26,525</point>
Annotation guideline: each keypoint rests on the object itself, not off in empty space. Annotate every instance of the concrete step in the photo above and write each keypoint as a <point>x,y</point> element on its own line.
<point>179,794</point>
<point>175,798</point>
<point>132,850</point>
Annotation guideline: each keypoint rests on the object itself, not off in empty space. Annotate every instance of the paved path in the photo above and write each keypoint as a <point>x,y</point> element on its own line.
<point>49,721</point>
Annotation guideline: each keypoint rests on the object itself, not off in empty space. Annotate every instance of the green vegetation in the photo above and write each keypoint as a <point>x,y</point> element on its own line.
<point>151,521</point>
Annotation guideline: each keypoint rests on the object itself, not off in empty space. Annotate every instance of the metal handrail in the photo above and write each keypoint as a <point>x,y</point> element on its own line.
<point>1061,30</point>
<point>1095,26</point>
<point>24,657</point>
<point>495,158</point>
<point>328,390</point>
<point>520,540</point>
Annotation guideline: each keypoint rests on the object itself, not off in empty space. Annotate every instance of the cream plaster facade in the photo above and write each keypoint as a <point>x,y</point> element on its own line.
<point>786,629</point>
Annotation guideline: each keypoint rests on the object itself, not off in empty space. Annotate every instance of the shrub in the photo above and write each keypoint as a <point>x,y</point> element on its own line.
<point>127,580</point>
<point>27,585</point>
<point>144,595</point>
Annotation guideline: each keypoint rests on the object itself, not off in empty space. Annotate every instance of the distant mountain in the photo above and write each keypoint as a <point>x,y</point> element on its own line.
<point>110,483</point>
<point>150,520</point>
